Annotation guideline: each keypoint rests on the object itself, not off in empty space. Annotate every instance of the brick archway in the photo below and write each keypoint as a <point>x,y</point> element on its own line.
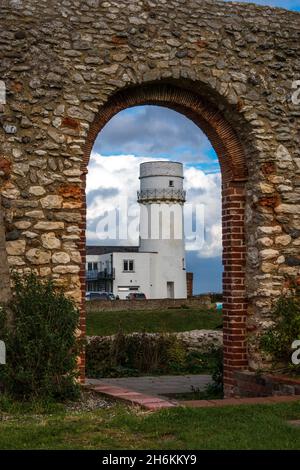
<point>234,176</point>
<point>198,59</point>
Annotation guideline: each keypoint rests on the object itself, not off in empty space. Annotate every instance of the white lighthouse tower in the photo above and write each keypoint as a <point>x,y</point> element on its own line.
<point>161,199</point>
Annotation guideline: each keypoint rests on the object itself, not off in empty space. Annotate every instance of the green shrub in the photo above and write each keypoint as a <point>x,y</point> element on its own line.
<point>98,357</point>
<point>134,354</point>
<point>198,362</point>
<point>41,345</point>
<point>129,355</point>
<point>216,297</point>
<point>217,369</point>
<point>277,341</point>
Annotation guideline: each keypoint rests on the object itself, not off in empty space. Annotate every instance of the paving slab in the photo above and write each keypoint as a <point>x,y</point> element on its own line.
<point>149,402</point>
<point>156,385</point>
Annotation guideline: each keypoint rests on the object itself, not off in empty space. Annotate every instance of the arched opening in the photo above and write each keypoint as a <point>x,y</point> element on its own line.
<point>234,176</point>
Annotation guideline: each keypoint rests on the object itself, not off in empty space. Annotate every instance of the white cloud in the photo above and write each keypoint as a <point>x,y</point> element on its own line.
<point>205,189</point>
<point>154,131</point>
<point>118,176</point>
<point>116,172</point>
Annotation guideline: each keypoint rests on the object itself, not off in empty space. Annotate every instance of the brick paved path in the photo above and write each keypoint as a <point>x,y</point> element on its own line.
<point>147,392</point>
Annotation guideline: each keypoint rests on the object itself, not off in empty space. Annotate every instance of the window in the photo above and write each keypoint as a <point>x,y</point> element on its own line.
<point>128,265</point>
<point>95,266</point>
<point>90,266</point>
<point>171,184</point>
<point>95,295</point>
<point>128,288</point>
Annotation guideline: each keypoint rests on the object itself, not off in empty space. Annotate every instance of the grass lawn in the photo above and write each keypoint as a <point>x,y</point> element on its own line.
<point>119,427</point>
<point>171,320</point>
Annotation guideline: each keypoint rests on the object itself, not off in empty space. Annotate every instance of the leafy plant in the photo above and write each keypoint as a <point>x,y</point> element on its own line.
<point>216,387</point>
<point>129,355</point>
<point>277,341</point>
<point>216,297</point>
<point>134,354</point>
<point>39,330</point>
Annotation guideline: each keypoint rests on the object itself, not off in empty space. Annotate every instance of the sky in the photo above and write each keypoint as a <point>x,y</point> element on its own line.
<point>288,4</point>
<point>148,133</point>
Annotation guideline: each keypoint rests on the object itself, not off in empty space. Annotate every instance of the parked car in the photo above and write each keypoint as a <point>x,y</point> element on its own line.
<point>112,296</point>
<point>100,296</point>
<point>136,296</point>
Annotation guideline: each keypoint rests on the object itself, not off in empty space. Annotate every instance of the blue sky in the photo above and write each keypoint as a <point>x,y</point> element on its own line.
<point>152,132</point>
<point>288,4</point>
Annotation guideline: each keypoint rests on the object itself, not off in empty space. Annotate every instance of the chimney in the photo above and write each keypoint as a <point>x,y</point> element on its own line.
<point>189,284</point>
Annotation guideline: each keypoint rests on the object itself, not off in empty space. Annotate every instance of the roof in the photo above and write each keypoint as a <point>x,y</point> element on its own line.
<point>102,250</point>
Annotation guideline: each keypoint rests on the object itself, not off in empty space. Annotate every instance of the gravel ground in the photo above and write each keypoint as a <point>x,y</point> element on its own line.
<point>89,401</point>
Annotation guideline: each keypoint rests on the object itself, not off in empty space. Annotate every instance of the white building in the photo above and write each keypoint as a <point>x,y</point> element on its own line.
<point>157,266</point>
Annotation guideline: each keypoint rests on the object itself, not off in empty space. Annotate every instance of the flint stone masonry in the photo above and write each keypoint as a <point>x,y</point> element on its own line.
<point>203,341</point>
<point>70,65</point>
<point>249,384</point>
<point>50,241</point>
<point>150,304</point>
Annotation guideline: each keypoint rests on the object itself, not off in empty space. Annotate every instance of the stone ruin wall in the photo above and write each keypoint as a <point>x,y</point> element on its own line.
<point>61,61</point>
